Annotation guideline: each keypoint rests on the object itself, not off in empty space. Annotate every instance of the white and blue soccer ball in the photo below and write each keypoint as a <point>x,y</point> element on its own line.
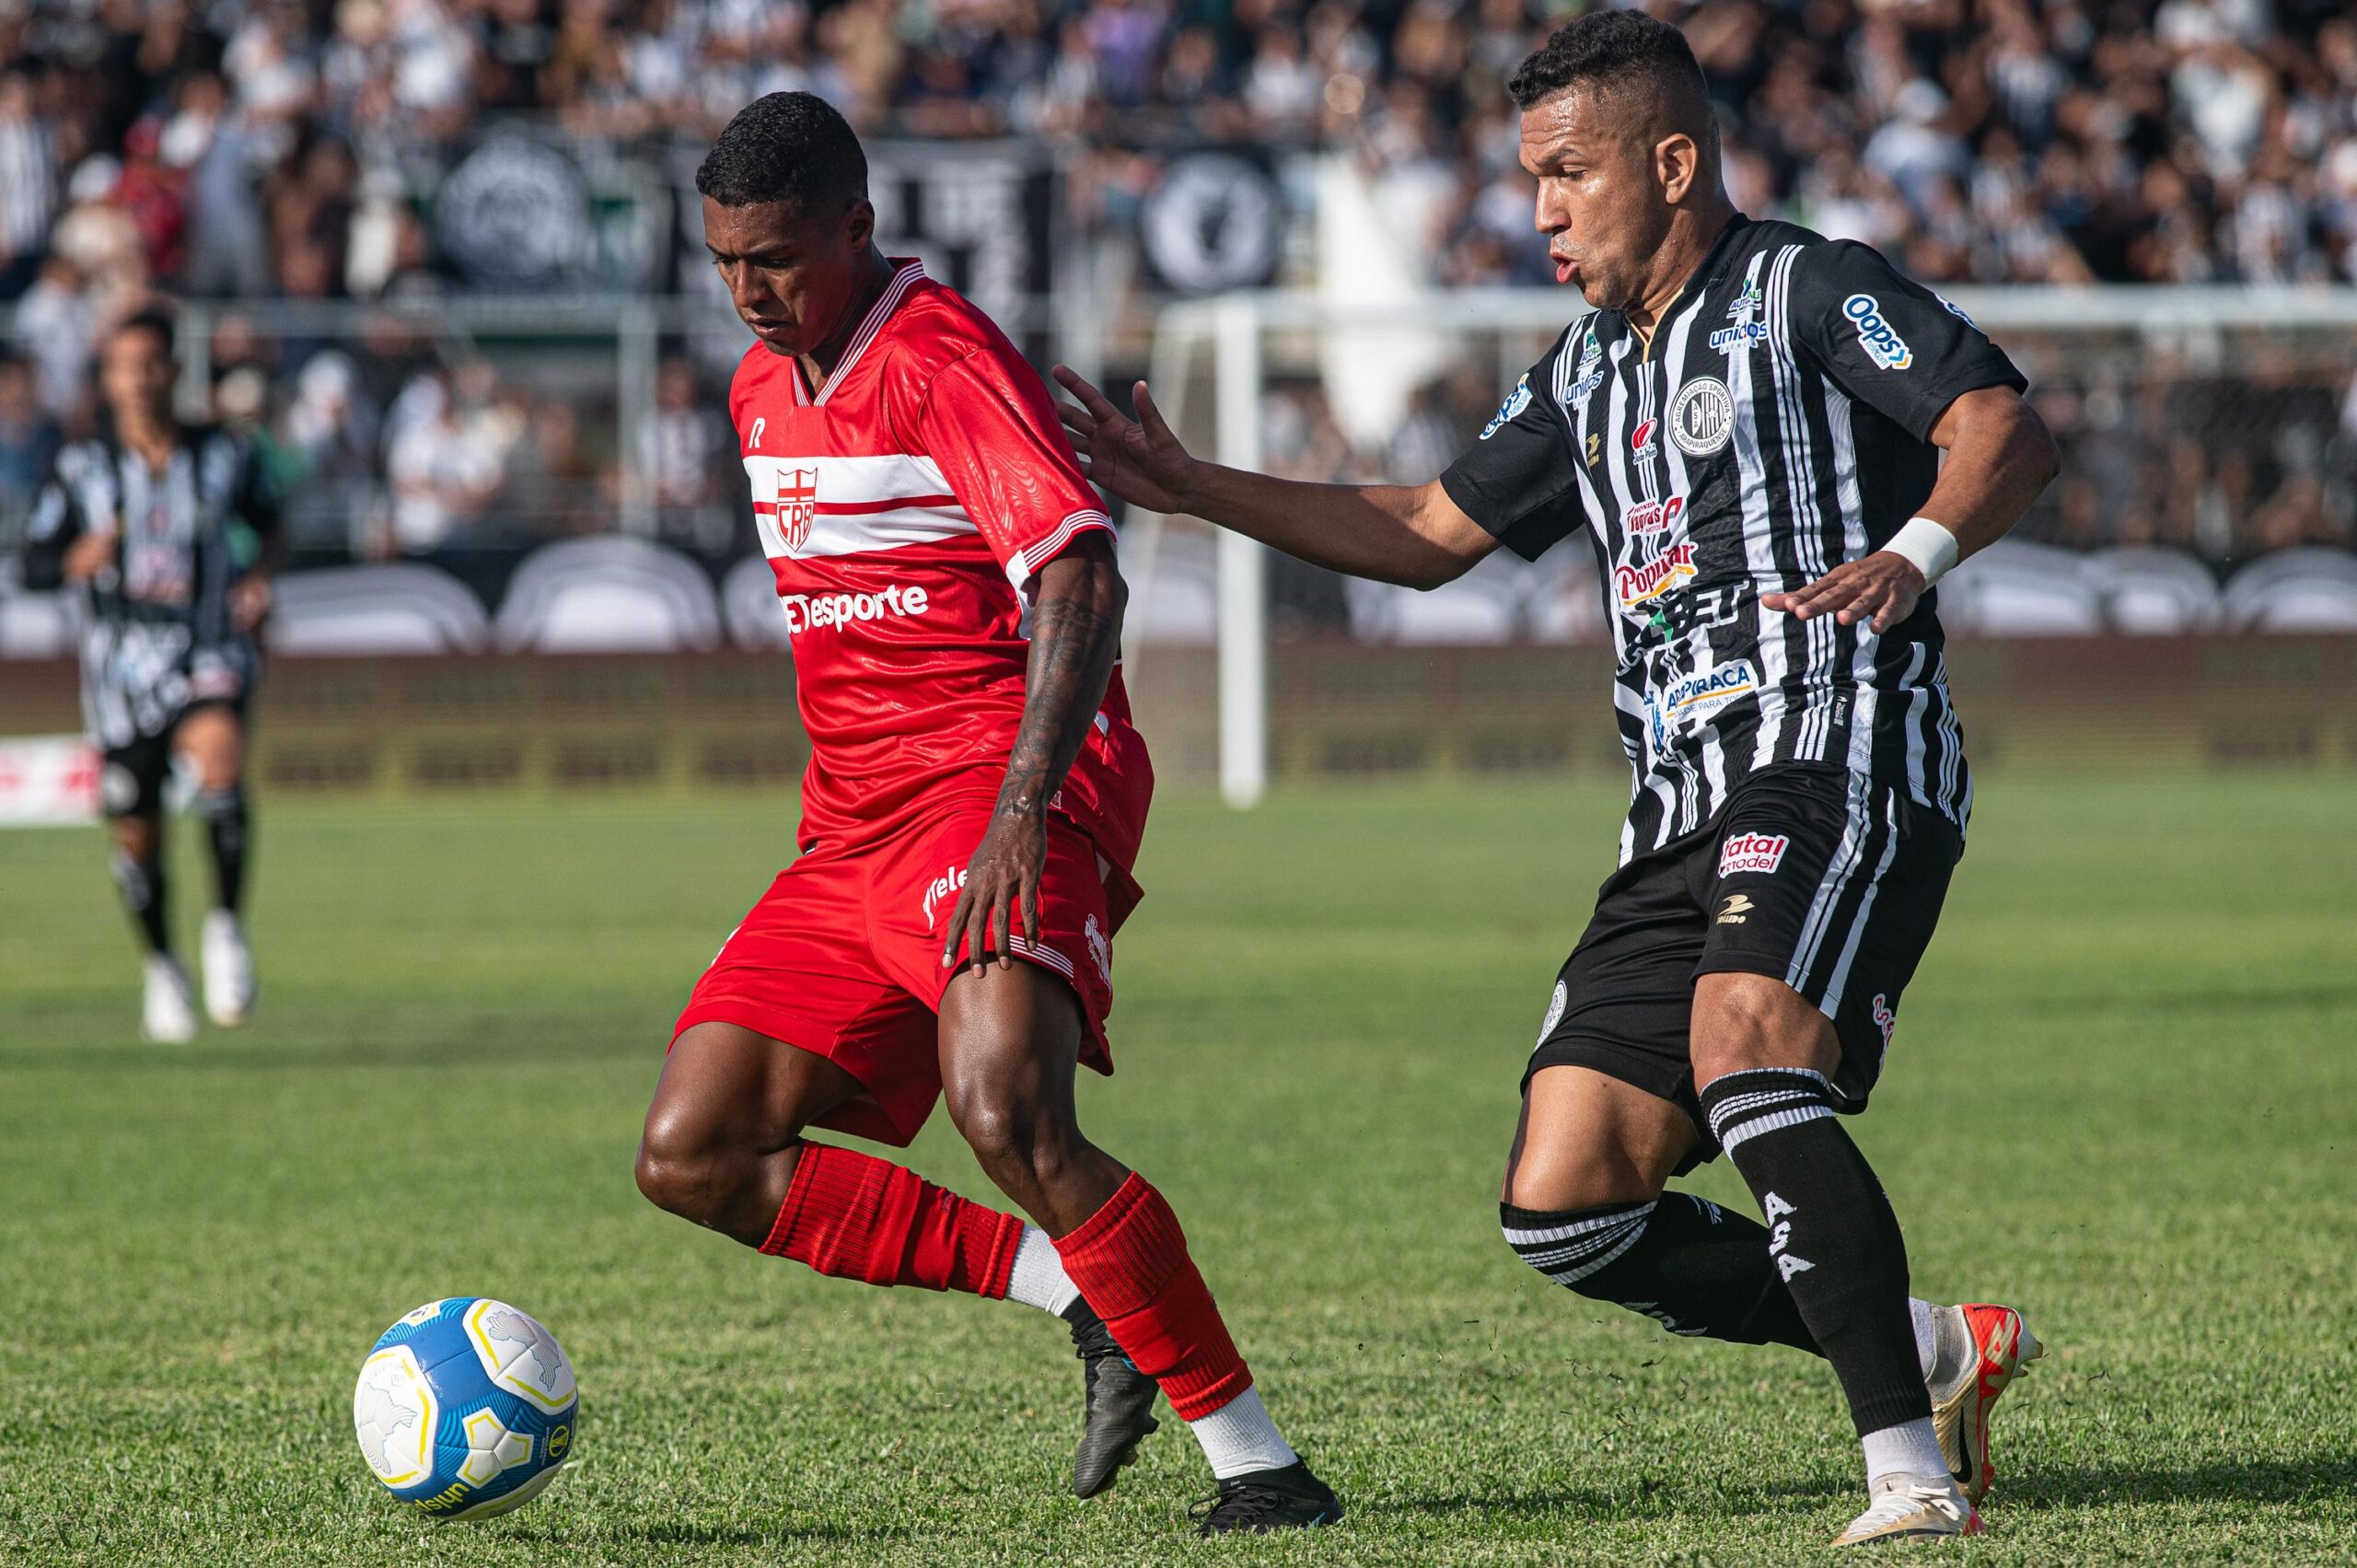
<point>466,1408</point>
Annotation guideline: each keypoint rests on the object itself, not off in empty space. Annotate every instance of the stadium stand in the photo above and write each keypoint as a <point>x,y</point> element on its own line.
<point>317,169</point>
<point>608,596</point>
<point>385,609</point>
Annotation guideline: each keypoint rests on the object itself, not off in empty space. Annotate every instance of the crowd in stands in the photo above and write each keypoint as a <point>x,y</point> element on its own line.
<point>269,148</point>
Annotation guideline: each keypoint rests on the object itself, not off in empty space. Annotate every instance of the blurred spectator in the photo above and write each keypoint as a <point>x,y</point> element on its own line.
<point>684,458</point>
<point>29,439</point>
<point>446,459</point>
<point>27,185</point>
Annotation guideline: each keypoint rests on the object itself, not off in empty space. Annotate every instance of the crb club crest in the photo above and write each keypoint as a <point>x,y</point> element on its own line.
<point>798,506</point>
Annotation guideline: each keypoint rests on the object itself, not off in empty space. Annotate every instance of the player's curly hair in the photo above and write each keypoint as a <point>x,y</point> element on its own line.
<point>1622,51</point>
<point>787,147</point>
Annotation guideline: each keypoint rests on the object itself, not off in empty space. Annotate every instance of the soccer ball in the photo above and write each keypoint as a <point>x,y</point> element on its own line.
<point>466,1408</point>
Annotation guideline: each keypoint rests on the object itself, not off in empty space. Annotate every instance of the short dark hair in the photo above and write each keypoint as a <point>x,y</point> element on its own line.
<point>157,318</point>
<point>787,147</point>
<point>1614,52</point>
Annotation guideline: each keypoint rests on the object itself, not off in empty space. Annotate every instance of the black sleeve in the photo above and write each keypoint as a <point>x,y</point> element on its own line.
<point>1888,341</point>
<point>1518,481</point>
<point>56,523</point>
<point>258,507</point>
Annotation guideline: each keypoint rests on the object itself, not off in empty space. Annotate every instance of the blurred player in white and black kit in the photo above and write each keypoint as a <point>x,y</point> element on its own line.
<point>165,531</point>
<point>1750,431</point>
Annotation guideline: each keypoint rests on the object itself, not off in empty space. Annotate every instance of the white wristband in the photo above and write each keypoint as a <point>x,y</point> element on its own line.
<point>1928,546</point>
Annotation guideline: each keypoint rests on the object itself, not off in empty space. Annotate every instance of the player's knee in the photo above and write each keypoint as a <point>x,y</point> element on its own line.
<point>1743,1022</point>
<point>1011,1134</point>
<point>679,1170</point>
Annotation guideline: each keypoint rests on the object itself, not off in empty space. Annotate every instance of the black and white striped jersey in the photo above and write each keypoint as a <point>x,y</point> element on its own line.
<point>1776,425</point>
<point>156,629</point>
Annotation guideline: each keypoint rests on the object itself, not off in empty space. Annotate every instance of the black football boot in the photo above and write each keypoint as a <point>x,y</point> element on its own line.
<point>1268,1501</point>
<point>1120,1401</point>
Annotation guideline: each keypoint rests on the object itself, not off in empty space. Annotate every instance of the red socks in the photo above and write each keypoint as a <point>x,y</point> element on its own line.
<point>1130,1261</point>
<point>855,1217</point>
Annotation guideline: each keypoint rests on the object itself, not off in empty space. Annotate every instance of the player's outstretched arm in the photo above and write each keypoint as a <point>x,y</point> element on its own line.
<point>2000,456</point>
<point>1075,637</point>
<point>1412,535</point>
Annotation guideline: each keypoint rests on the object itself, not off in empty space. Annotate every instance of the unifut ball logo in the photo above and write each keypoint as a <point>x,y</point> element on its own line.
<point>466,1408</point>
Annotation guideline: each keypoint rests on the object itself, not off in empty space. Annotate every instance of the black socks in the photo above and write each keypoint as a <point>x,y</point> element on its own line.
<point>141,883</point>
<point>1832,1236</point>
<point>223,811</point>
<point>1693,1267</point>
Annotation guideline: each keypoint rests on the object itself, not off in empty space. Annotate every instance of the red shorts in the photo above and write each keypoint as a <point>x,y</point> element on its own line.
<point>841,958</point>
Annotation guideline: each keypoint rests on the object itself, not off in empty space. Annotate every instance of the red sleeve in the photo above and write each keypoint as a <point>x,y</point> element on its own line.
<point>987,424</point>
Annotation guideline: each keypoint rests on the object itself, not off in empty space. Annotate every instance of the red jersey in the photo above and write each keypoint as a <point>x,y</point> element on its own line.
<point>905,507</point>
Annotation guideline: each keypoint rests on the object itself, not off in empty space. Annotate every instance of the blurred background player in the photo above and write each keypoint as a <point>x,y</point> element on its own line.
<point>975,796</point>
<point>1750,429</point>
<point>165,531</point>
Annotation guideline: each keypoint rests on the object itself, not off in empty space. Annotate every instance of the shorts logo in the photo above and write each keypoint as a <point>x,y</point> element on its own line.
<point>1640,440</point>
<point>1737,906</point>
<point>1752,854</point>
<point>1701,417</point>
<point>1562,999</point>
<point>1100,948</point>
<point>1635,585</point>
<point>1517,400</point>
<point>1885,1019</point>
<point>798,506</point>
<point>119,788</point>
<point>948,882</point>
<point>1654,517</point>
<point>1876,336</point>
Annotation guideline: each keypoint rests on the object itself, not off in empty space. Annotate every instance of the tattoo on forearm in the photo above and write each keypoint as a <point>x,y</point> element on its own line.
<point>1074,638</point>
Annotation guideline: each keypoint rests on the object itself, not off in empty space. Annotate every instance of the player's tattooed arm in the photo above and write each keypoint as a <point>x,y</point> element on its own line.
<point>1075,636</point>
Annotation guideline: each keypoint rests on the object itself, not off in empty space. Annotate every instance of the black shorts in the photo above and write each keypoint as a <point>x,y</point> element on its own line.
<point>131,776</point>
<point>1827,882</point>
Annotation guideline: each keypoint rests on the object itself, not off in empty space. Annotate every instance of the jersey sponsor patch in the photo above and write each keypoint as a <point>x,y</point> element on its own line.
<point>1734,340</point>
<point>810,612</point>
<point>1517,400</point>
<point>1635,585</point>
<point>1701,417</point>
<point>1756,854</point>
<point>1654,517</point>
<point>1640,440</point>
<point>1704,694</point>
<point>1875,334</point>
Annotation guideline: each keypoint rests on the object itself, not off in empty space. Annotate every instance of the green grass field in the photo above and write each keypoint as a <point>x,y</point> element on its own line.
<point>2123,1095</point>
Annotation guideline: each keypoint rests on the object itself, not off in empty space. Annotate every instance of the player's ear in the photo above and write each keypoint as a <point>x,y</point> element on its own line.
<point>1676,161</point>
<point>859,224</point>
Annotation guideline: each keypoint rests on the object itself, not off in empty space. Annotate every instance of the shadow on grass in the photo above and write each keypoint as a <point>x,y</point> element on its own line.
<point>2254,1481</point>
<point>673,1532</point>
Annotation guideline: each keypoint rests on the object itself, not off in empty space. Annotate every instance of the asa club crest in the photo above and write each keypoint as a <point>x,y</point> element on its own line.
<point>798,506</point>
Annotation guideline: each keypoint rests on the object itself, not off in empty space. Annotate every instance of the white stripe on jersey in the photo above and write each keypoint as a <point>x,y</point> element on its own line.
<point>1698,654</point>
<point>1759,546</point>
<point>1868,698</point>
<point>904,500</point>
<point>1028,562</point>
<point>870,324</point>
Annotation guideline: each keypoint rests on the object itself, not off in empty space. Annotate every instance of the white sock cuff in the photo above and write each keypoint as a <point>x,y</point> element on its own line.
<point>1912,1447</point>
<point>1239,1438</point>
<point>1038,1278</point>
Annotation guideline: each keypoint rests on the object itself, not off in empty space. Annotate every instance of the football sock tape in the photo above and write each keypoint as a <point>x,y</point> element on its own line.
<point>1831,1235</point>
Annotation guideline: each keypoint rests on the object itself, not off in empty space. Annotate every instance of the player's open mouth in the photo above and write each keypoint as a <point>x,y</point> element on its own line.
<point>1566,270</point>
